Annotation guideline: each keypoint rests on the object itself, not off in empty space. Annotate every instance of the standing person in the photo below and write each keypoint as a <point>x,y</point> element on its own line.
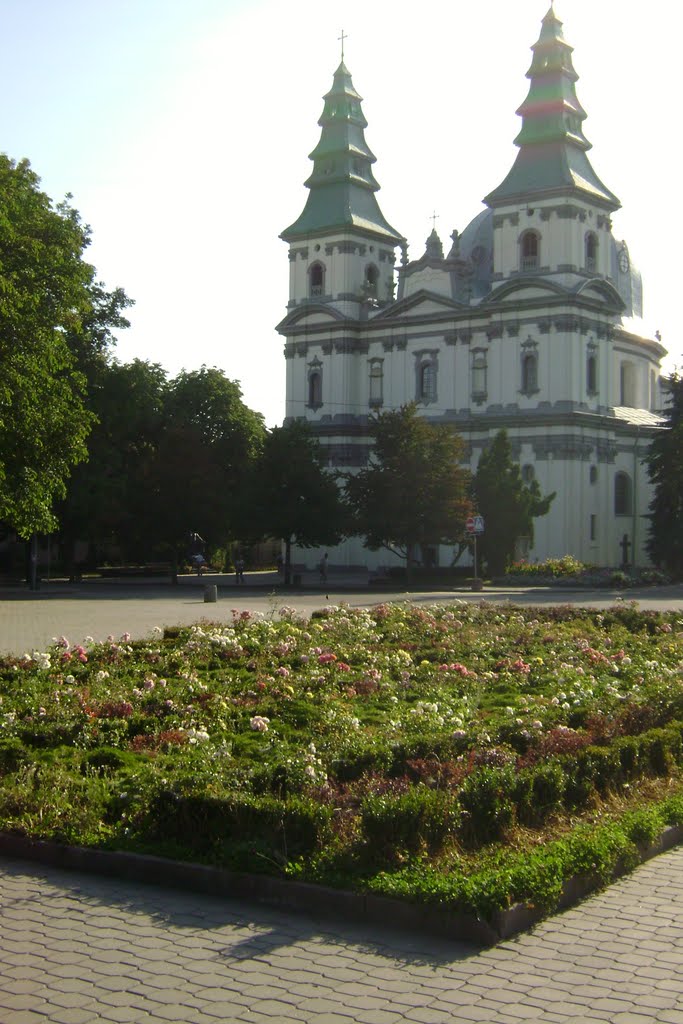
<point>323,568</point>
<point>239,570</point>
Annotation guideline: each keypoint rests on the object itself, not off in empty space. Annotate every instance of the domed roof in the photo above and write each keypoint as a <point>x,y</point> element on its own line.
<point>476,245</point>
<point>626,277</point>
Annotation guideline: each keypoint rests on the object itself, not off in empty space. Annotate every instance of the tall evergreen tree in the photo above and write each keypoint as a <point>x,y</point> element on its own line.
<point>665,469</point>
<point>508,505</point>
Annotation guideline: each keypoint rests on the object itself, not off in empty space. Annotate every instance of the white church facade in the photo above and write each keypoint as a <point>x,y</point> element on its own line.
<point>530,321</point>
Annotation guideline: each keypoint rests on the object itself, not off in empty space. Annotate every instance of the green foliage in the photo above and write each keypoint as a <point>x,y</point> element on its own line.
<point>487,798</point>
<point>397,747</point>
<point>665,469</point>
<point>419,819</point>
<point>508,505</point>
<point>290,495</point>
<point>238,829</point>
<point>413,492</point>
<point>54,319</point>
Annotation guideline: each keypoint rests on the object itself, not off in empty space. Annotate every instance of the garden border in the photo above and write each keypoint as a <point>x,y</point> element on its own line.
<point>316,900</point>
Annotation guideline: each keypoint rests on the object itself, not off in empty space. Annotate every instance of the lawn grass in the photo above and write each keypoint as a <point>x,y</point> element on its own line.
<point>466,756</point>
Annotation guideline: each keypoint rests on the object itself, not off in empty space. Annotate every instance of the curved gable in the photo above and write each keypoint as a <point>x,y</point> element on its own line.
<point>526,288</point>
<point>602,291</point>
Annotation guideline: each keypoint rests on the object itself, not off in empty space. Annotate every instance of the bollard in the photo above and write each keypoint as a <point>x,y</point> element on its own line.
<point>210,593</point>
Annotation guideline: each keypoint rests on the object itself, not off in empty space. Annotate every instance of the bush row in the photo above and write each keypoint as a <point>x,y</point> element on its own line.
<point>491,799</point>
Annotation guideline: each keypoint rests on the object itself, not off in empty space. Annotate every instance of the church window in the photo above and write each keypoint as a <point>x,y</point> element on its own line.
<point>592,375</point>
<point>594,527</point>
<point>376,381</point>
<point>530,251</point>
<point>528,473</point>
<point>593,474</point>
<point>427,383</point>
<point>529,373</point>
<point>316,277</point>
<point>653,389</point>
<point>479,372</point>
<point>623,495</point>
<point>371,279</point>
<point>627,385</point>
<point>591,251</point>
<point>315,387</point>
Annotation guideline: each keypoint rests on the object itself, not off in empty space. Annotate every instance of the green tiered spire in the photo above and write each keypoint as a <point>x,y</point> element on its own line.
<point>552,147</point>
<point>342,185</point>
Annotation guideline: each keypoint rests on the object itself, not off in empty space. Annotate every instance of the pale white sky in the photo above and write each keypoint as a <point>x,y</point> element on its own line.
<point>182,128</point>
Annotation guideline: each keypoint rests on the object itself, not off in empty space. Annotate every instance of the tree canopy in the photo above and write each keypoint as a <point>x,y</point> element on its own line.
<point>508,504</point>
<point>413,493</point>
<point>52,315</point>
<point>291,495</point>
<point>665,469</point>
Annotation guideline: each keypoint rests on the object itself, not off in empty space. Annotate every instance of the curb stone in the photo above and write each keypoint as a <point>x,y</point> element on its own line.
<point>316,900</point>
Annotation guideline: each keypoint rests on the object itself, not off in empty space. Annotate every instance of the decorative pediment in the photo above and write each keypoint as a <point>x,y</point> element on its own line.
<point>313,315</point>
<point>423,304</point>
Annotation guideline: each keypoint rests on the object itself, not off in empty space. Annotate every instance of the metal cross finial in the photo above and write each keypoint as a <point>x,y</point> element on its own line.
<point>342,37</point>
<point>433,218</point>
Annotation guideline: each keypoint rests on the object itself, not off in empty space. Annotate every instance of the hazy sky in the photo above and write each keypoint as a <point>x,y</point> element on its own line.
<point>182,128</point>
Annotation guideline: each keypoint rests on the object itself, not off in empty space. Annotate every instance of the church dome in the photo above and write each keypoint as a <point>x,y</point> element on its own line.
<point>476,245</point>
<point>627,278</point>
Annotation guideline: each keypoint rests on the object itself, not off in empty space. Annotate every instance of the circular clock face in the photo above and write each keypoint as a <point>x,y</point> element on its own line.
<point>624,262</point>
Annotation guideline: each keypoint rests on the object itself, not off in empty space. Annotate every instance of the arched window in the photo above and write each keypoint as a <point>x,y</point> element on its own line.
<point>592,375</point>
<point>529,373</point>
<point>528,473</point>
<point>315,388</point>
<point>529,251</point>
<point>371,279</point>
<point>623,495</point>
<point>653,389</point>
<point>316,278</point>
<point>627,384</point>
<point>479,370</point>
<point>376,381</point>
<point>591,252</point>
<point>427,382</point>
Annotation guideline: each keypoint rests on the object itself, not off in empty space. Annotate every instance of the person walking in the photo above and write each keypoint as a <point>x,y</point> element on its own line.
<point>323,568</point>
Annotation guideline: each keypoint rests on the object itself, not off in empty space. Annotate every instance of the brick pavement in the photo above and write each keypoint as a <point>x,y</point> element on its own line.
<point>76,949</point>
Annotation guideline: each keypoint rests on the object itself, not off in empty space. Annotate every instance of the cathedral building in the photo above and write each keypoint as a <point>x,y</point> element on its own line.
<point>529,320</point>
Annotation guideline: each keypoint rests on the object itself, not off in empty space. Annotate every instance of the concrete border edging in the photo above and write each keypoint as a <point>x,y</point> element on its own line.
<point>315,900</point>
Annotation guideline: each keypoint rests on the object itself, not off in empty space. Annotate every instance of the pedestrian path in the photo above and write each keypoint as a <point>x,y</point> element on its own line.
<point>77,949</point>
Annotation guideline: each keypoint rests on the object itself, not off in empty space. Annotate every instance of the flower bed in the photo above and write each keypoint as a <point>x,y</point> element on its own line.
<point>568,572</point>
<point>466,756</point>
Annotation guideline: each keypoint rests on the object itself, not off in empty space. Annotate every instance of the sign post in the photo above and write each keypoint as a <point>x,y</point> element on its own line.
<point>474,525</point>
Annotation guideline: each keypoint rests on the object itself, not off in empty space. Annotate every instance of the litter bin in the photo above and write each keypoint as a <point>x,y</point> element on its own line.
<point>210,593</point>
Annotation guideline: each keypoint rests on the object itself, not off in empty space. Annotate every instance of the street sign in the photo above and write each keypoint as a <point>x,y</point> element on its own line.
<point>474,524</point>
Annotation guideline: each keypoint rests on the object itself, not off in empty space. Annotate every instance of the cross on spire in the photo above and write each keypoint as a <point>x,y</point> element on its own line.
<point>434,217</point>
<point>342,37</point>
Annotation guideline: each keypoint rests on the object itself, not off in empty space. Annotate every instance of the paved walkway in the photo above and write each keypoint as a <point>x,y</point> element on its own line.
<point>79,949</point>
<point>29,621</point>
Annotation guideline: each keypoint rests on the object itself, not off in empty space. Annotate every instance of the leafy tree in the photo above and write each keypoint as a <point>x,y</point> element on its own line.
<point>665,469</point>
<point>508,505</point>
<point>413,492</point>
<point>207,444</point>
<point>46,296</point>
<point>291,495</point>
<point>106,492</point>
